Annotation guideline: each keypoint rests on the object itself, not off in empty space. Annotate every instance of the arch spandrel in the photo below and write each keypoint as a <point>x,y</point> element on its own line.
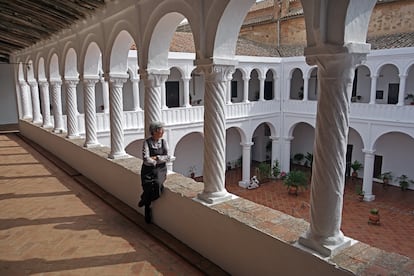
<point>150,24</point>
<point>118,60</point>
<point>54,67</point>
<point>70,64</point>
<point>92,61</point>
<point>226,32</point>
<point>90,51</point>
<point>41,69</point>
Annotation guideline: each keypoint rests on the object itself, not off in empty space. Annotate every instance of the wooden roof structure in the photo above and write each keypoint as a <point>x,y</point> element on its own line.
<point>26,22</point>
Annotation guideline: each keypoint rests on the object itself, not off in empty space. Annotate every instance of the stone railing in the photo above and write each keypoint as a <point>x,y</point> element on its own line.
<point>195,114</point>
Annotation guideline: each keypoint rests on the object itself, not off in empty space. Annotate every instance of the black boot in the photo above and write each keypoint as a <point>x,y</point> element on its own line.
<point>148,214</point>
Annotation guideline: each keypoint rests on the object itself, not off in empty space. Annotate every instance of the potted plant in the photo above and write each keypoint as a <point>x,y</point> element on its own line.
<point>374,217</point>
<point>404,182</point>
<point>295,180</point>
<point>411,98</point>
<point>356,166</point>
<point>386,177</point>
<point>361,194</point>
<point>276,168</point>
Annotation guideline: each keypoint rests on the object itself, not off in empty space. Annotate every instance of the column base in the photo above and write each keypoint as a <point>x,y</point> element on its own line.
<point>73,136</point>
<point>215,197</point>
<point>244,184</point>
<point>47,126</point>
<point>369,197</point>
<point>325,250</point>
<point>58,130</point>
<point>91,145</point>
<point>118,155</point>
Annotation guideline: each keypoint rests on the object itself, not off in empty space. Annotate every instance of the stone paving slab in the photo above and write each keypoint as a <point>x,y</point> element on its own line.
<point>51,225</point>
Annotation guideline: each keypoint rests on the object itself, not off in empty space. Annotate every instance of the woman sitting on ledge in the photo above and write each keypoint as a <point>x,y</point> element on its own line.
<point>154,169</point>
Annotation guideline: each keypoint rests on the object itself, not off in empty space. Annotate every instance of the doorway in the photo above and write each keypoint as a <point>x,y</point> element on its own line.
<point>393,89</point>
<point>377,166</point>
<point>172,93</point>
<point>349,149</point>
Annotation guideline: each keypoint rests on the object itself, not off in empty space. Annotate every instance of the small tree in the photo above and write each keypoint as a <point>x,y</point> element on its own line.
<point>404,182</point>
<point>264,171</point>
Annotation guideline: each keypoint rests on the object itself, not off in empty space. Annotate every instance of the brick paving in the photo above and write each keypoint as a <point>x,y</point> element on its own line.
<point>394,234</point>
<point>51,225</point>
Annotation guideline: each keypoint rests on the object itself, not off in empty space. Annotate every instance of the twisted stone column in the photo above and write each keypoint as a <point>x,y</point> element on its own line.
<point>56,87</point>
<point>91,138</point>
<point>71,108</point>
<point>152,110</point>
<point>25,100</point>
<point>44,96</point>
<point>34,87</point>
<point>116,117</point>
<point>335,75</point>
<point>214,133</point>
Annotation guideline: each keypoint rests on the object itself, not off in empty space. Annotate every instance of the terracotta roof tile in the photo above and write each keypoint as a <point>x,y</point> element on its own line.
<point>183,42</point>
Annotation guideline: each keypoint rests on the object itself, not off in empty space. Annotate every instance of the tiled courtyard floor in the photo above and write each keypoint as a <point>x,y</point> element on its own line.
<point>394,234</point>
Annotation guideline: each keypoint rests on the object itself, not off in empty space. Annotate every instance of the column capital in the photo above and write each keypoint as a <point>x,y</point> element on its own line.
<point>288,138</point>
<point>155,78</point>
<point>71,81</point>
<point>402,75</point>
<point>118,81</point>
<point>90,81</point>
<point>335,65</point>
<point>32,82</point>
<point>368,151</point>
<point>55,82</point>
<point>247,144</point>
<point>273,138</point>
<point>215,72</point>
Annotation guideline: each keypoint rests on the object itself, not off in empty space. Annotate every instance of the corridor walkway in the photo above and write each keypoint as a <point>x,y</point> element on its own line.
<point>51,225</point>
<point>394,234</point>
